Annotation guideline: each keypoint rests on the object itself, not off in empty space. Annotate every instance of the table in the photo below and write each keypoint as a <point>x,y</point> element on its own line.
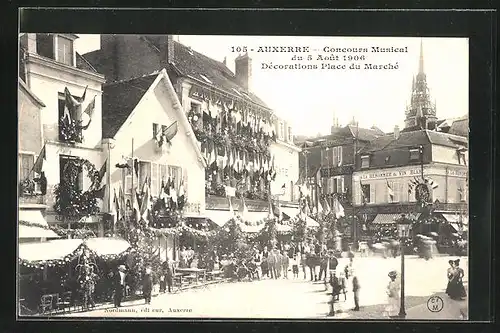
<point>197,272</point>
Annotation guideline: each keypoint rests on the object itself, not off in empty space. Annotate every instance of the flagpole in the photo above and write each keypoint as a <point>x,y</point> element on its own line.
<point>132,181</point>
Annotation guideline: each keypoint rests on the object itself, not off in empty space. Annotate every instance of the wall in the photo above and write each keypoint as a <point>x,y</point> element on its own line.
<point>286,161</point>
<point>46,79</point>
<point>448,178</point>
<point>30,124</point>
<point>445,155</point>
<point>156,107</point>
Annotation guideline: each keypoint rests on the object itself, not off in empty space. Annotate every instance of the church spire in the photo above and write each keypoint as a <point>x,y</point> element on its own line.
<point>421,60</point>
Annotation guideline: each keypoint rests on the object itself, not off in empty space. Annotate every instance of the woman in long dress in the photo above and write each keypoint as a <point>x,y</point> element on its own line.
<point>392,291</point>
<point>450,273</point>
<point>458,289</point>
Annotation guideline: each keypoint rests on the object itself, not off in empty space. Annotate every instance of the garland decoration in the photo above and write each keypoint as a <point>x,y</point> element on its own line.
<point>62,232</point>
<point>70,131</point>
<point>72,202</point>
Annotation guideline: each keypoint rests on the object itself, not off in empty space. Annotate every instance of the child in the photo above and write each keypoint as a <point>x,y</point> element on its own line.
<point>295,266</point>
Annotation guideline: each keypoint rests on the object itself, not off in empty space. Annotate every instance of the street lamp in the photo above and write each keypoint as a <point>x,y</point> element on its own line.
<point>404,225</point>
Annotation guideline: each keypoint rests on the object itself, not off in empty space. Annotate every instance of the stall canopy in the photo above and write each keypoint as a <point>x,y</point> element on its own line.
<point>34,216</point>
<point>454,221</point>
<point>35,232</point>
<point>58,249</point>
<point>219,217</point>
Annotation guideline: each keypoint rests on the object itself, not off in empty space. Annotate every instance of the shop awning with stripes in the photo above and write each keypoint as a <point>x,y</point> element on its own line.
<point>386,218</point>
<point>454,221</point>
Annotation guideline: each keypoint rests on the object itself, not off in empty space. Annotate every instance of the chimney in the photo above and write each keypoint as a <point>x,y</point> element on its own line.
<point>243,71</point>
<point>166,46</point>
<point>396,132</point>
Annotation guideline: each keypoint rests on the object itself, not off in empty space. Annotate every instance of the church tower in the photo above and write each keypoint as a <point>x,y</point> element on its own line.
<point>421,113</point>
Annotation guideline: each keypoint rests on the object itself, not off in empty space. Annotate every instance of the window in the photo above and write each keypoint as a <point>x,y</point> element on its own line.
<point>144,173</point>
<point>26,162</point>
<point>461,192</point>
<point>366,192</point>
<point>397,189</point>
<point>45,45</point>
<point>414,154</point>
<point>290,139</point>
<point>63,164</point>
<point>291,191</point>
<point>365,161</point>
<point>340,185</point>
<point>339,156</point>
<point>334,188</point>
<point>175,174</point>
<point>282,131</point>
<point>127,174</point>
<point>65,50</point>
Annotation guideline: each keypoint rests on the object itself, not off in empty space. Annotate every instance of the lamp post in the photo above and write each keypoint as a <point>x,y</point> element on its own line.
<point>403,231</point>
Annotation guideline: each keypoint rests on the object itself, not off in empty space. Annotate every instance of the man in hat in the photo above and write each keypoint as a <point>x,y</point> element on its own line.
<point>334,282</point>
<point>119,285</point>
<point>355,290</point>
<point>392,291</point>
<point>147,284</point>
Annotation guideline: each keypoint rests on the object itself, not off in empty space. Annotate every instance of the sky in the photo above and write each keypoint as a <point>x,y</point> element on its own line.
<point>309,99</point>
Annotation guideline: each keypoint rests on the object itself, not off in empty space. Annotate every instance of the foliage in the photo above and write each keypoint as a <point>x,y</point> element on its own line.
<point>70,131</point>
<point>71,201</point>
<point>230,240</point>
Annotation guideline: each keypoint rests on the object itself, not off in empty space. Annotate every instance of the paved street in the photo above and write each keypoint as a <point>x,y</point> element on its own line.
<point>302,299</point>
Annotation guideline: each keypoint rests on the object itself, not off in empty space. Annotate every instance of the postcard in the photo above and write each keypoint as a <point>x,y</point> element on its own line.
<point>252,177</point>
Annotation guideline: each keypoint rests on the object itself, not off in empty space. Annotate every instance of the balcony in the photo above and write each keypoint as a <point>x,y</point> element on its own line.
<point>336,171</point>
<point>70,132</point>
<point>36,199</point>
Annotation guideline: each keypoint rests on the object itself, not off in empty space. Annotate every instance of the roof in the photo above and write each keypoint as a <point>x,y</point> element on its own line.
<point>460,127</point>
<point>194,65</point>
<point>351,131</point>
<point>24,87</point>
<point>119,99</point>
<point>82,63</point>
<point>414,138</point>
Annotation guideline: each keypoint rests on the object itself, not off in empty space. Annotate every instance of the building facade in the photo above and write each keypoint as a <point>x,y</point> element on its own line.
<point>135,111</point>
<point>50,66</point>
<point>216,102</point>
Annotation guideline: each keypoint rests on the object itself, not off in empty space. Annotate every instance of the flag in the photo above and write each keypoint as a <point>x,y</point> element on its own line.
<point>413,183</point>
<point>136,167</point>
<point>320,208</point>
<point>433,185</point>
<point>302,178</point>
<point>338,208</point>
<point>283,189</point>
<point>115,207</point>
<point>390,191</point>
<point>99,194</point>
<point>103,170</point>
<point>243,208</point>
<point>170,131</point>
<point>89,111</point>
<point>327,206</point>
<point>161,195</point>
<point>42,157</point>
<point>145,205</point>
<point>73,105</point>
<point>135,205</point>
<point>181,196</point>
<point>231,210</point>
<point>145,186</point>
<point>123,163</point>
<point>270,210</point>
<point>121,201</point>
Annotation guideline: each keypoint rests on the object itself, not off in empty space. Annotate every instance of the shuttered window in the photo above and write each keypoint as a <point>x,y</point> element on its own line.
<point>372,197</point>
<point>26,162</point>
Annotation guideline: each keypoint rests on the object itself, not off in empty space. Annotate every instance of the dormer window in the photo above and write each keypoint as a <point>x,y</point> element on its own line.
<point>64,50</point>
<point>365,161</point>
<point>414,154</point>
<point>56,47</point>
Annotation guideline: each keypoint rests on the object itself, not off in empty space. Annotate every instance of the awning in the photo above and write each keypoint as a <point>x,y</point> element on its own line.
<point>454,218</point>
<point>107,245</point>
<point>219,217</point>
<point>35,232</point>
<point>290,211</point>
<point>51,250</point>
<point>283,228</point>
<point>32,215</point>
<point>386,218</point>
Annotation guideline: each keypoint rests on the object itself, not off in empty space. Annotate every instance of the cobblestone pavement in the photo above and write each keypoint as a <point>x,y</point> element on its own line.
<point>299,298</point>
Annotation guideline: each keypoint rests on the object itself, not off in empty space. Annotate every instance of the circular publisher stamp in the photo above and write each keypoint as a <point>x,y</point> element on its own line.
<point>435,304</point>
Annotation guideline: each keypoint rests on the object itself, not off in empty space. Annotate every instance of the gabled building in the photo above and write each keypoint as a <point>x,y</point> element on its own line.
<point>49,66</point>
<point>330,162</point>
<point>31,204</point>
<point>216,102</point>
<point>135,112</point>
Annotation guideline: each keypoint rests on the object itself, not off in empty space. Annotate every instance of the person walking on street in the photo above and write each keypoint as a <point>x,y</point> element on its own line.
<point>334,283</point>
<point>285,263</point>
<point>355,290</point>
<point>303,260</point>
<point>147,285</point>
<point>119,285</point>
<point>392,291</point>
<point>343,285</point>
<point>450,273</point>
<point>271,261</point>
